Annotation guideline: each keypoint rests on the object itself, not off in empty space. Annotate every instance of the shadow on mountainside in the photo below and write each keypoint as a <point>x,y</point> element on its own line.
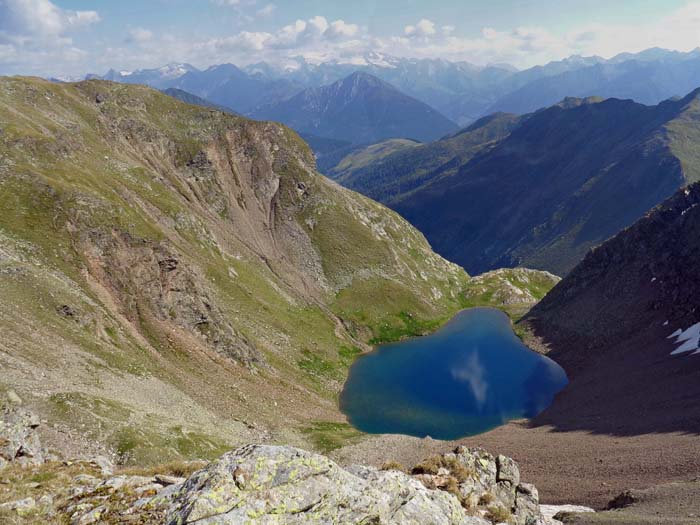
<point>633,388</point>
<point>608,324</point>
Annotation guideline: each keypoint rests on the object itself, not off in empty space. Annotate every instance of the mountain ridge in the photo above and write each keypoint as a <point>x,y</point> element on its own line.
<point>584,160</point>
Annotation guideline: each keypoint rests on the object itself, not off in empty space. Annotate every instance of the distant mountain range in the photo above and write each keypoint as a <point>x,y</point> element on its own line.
<point>538,190</point>
<point>459,90</point>
<point>359,109</point>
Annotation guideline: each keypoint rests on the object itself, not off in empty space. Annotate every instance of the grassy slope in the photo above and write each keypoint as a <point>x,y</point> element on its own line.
<point>92,193</point>
<point>684,135</point>
<point>364,157</point>
<point>513,290</point>
<point>388,177</point>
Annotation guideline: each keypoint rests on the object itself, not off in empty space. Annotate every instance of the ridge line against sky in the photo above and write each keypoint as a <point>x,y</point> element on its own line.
<point>73,37</point>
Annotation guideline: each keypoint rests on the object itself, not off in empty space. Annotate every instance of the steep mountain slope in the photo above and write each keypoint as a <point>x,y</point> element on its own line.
<point>564,180</point>
<point>625,323</point>
<point>176,280</point>
<point>359,108</point>
<point>389,173</point>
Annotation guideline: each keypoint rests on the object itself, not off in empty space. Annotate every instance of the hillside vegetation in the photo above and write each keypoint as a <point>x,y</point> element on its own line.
<point>177,280</point>
<point>391,170</point>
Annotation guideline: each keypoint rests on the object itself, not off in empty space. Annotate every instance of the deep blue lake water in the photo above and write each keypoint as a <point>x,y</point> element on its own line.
<point>470,376</point>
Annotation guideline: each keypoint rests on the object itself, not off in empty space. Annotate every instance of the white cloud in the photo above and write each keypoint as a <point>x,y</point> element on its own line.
<point>139,35</point>
<point>36,35</point>
<point>341,29</point>
<point>42,20</point>
<point>424,28</point>
<point>266,11</point>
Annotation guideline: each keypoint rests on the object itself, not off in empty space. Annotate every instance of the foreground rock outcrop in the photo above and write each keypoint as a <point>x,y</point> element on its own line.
<point>19,440</point>
<point>273,484</point>
<point>263,484</point>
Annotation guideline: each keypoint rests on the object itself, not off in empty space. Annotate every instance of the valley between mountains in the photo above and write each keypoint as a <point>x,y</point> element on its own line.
<point>178,280</point>
<point>175,277</point>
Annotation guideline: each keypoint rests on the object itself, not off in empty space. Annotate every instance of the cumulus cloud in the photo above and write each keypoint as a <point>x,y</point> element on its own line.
<point>35,33</point>
<point>341,29</point>
<point>424,28</point>
<point>27,20</point>
<point>139,35</point>
<point>266,10</point>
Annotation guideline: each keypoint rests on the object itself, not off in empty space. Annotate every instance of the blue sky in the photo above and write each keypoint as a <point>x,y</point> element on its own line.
<point>71,37</point>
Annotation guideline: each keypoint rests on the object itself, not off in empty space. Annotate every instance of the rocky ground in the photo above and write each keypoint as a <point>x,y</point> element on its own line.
<point>567,467</point>
<point>260,484</point>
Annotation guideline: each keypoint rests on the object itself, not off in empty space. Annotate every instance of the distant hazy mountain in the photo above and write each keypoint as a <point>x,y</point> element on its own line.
<point>184,96</point>
<point>159,78</point>
<point>564,180</point>
<point>360,109</point>
<point>232,87</point>
<point>461,91</point>
<point>646,81</point>
<point>224,84</point>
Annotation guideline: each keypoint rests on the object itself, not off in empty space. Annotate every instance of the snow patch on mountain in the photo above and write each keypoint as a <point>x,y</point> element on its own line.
<point>689,340</point>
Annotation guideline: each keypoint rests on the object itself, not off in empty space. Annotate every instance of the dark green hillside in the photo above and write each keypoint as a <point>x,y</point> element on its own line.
<point>386,174</point>
<point>564,180</point>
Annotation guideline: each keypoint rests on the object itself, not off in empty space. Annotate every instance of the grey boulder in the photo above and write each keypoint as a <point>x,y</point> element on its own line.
<point>260,484</point>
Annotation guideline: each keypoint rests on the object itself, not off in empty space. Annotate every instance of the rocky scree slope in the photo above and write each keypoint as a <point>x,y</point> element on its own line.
<point>625,325</point>
<point>540,190</point>
<point>176,279</point>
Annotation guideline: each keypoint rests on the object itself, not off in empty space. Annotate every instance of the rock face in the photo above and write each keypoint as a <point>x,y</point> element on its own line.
<point>273,484</point>
<point>19,440</point>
